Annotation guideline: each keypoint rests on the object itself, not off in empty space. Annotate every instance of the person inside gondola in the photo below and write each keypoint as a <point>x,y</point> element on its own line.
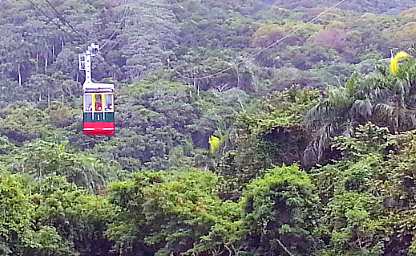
<point>88,103</point>
<point>109,105</point>
<point>98,105</point>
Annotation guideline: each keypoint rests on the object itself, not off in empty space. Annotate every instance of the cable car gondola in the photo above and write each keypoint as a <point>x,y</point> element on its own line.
<point>98,116</point>
<point>98,100</point>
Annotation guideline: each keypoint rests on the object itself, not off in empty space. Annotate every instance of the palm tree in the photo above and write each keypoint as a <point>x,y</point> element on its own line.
<point>386,100</point>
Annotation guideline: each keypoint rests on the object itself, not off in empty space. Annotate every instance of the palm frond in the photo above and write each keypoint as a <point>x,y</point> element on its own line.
<point>329,110</point>
<point>339,97</point>
<point>361,109</point>
<point>314,152</point>
<point>386,115</point>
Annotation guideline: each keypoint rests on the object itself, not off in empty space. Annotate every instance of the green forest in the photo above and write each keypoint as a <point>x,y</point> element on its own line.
<point>244,128</point>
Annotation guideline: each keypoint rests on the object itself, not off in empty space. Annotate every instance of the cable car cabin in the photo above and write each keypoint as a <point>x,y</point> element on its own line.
<point>98,117</point>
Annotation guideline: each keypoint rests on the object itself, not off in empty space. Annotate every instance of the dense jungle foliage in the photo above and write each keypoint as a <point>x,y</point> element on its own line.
<point>244,127</point>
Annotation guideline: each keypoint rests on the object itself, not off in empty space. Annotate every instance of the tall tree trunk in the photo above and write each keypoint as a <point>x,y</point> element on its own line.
<point>49,97</point>
<point>46,63</point>
<point>19,74</point>
<point>37,62</point>
<point>193,78</point>
<point>237,71</point>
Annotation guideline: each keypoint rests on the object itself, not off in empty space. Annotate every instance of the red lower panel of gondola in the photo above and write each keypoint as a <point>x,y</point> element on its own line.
<point>99,128</point>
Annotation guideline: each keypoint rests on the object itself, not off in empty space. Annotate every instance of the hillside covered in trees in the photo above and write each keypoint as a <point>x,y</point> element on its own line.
<point>244,127</point>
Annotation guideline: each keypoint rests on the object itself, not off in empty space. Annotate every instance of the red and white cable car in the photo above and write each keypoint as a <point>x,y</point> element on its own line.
<point>98,101</point>
<point>98,116</point>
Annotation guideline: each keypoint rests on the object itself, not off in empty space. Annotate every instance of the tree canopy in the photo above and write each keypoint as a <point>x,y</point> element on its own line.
<point>243,128</point>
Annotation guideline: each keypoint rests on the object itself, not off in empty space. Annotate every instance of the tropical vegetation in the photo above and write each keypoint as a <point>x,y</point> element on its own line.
<point>244,127</point>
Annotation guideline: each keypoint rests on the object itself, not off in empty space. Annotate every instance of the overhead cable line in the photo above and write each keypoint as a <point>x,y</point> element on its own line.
<point>49,19</point>
<point>60,25</point>
<point>262,50</point>
<point>63,20</point>
<point>122,24</point>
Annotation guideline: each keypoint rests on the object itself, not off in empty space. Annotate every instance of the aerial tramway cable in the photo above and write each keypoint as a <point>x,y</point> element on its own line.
<point>63,20</point>
<point>49,19</point>
<point>122,24</point>
<point>65,23</point>
<point>262,50</point>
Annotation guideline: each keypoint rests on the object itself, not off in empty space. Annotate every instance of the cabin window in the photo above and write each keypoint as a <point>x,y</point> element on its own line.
<point>88,103</point>
<point>98,102</point>
<point>109,106</point>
